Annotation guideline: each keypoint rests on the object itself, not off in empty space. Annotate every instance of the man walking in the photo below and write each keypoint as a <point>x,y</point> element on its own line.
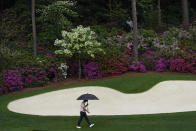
<point>83,110</point>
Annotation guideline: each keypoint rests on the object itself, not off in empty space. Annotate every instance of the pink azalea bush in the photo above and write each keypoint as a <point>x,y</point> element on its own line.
<point>160,64</point>
<point>53,73</point>
<point>28,76</point>
<point>12,79</point>
<point>33,76</point>
<point>91,71</point>
<point>147,58</point>
<point>183,64</point>
<point>137,66</point>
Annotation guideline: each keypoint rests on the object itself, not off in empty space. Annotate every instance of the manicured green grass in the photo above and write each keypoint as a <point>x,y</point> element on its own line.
<point>186,121</point>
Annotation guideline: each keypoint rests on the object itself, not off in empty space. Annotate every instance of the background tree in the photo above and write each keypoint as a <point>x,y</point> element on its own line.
<point>134,15</point>
<point>159,11</point>
<point>185,13</point>
<point>34,29</point>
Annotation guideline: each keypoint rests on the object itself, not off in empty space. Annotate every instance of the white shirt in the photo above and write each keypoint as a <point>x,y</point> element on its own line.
<point>130,23</point>
<point>82,107</point>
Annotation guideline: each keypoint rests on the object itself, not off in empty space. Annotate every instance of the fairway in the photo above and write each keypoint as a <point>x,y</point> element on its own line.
<point>184,121</point>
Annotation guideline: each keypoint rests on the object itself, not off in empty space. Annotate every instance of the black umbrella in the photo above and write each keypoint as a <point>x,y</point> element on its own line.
<point>87,97</point>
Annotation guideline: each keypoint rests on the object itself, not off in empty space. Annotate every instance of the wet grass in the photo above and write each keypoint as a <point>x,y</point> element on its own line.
<point>185,121</point>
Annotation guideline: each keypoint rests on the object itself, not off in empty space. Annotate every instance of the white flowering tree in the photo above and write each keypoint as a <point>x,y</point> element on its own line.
<point>80,41</point>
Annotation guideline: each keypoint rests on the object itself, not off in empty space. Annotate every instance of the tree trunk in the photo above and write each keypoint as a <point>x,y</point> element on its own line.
<point>159,12</point>
<point>134,15</point>
<point>185,14</point>
<point>79,68</point>
<point>34,28</point>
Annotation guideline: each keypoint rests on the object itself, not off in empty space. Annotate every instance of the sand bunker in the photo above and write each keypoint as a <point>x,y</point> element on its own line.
<point>165,97</point>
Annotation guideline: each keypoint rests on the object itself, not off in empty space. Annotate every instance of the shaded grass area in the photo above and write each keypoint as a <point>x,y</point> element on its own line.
<point>10,121</point>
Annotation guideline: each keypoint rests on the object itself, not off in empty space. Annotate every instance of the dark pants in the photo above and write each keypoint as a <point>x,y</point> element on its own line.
<point>83,115</point>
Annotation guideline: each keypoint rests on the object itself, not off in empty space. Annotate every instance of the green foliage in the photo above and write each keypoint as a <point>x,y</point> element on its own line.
<point>172,13</point>
<point>189,44</point>
<point>5,62</point>
<point>111,51</point>
<point>144,11</point>
<point>7,57</point>
<point>54,18</point>
<point>174,35</point>
<point>193,32</point>
<point>145,5</point>
<point>151,19</point>
<point>148,62</point>
<point>31,60</point>
<point>117,13</point>
<point>147,33</point>
<point>19,58</point>
<point>91,12</point>
<point>146,36</point>
<point>103,32</point>
<point>15,25</point>
<point>47,35</point>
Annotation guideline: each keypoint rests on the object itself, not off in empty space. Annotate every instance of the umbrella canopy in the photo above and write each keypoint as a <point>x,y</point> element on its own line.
<point>87,97</point>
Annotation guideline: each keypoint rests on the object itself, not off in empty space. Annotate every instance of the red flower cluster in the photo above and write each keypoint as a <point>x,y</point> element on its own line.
<point>114,65</point>
<point>184,64</point>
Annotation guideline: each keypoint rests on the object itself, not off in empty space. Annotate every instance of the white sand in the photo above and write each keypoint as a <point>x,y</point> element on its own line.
<point>165,97</point>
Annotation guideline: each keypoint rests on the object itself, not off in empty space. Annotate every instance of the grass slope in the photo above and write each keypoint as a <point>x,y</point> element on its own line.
<point>10,121</point>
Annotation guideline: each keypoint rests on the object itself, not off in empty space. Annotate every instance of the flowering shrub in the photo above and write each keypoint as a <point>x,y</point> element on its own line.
<point>147,58</point>
<point>28,76</point>
<point>33,76</point>
<point>73,67</point>
<point>179,65</point>
<point>193,33</point>
<point>91,71</point>
<point>80,41</point>
<point>137,66</point>
<point>12,79</point>
<point>113,65</point>
<point>44,51</point>
<point>52,71</point>
<point>160,64</point>
<point>120,40</point>
<point>168,42</point>
<point>146,38</point>
<point>193,69</point>
<point>183,64</point>
<point>176,44</point>
<point>148,52</point>
<point>166,46</point>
